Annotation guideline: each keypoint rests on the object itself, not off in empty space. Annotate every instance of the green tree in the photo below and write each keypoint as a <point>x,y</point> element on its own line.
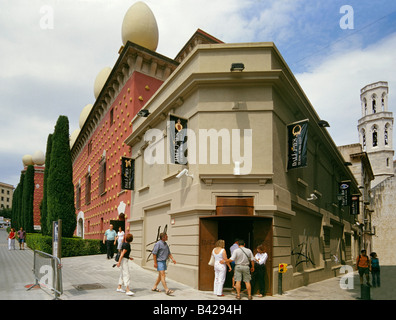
<point>15,214</point>
<point>27,200</point>
<point>43,205</point>
<point>60,188</point>
<point>16,221</point>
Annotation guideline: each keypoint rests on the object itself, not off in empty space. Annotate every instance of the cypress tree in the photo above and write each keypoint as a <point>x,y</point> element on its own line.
<point>18,208</point>
<point>27,200</point>
<point>60,189</point>
<point>44,206</point>
<point>14,213</point>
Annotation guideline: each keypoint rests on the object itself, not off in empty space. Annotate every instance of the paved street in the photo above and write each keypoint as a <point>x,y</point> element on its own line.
<point>93,278</point>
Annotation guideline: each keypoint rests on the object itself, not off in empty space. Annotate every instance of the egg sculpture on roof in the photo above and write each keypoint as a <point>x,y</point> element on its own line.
<point>84,114</point>
<point>100,80</point>
<point>38,158</point>
<point>73,137</point>
<point>139,26</point>
<point>27,160</point>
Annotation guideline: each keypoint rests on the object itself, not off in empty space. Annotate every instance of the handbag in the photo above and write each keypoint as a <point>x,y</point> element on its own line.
<point>117,257</point>
<point>212,260</point>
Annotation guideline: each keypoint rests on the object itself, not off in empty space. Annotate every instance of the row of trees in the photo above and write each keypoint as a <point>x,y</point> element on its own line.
<point>58,197</point>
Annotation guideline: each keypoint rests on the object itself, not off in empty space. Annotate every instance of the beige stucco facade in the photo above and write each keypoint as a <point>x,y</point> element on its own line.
<point>250,110</point>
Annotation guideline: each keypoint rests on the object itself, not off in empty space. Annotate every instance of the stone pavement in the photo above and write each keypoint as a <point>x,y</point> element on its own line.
<point>94,278</point>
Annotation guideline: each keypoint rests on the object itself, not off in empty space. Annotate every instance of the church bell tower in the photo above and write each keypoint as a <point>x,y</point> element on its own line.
<point>376,129</point>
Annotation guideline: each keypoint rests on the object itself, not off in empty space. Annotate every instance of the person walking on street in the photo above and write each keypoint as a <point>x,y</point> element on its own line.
<point>21,238</point>
<point>124,266</point>
<point>11,239</point>
<point>220,270</point>
<point>109,239</point>
<point>363,266</point>
<point>161,253</point>
<point>259,269</point>
<point>375,270</point>
<point>244,264</point>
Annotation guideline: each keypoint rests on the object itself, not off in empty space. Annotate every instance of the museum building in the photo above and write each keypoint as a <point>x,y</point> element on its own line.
<point>224,144</point>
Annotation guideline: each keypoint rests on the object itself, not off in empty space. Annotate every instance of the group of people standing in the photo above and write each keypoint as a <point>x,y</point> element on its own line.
<point>247,267</point>
<point>20,236</point>
<point>365,265</point>
<point>161,253</point>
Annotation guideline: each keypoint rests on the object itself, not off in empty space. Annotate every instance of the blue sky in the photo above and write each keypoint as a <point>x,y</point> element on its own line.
<point>48,72</point>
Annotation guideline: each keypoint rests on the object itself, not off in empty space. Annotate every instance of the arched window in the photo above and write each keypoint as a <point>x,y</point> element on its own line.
<point>383,102</point>
<point>365,106</point>
<point>374,104</point>
<point>386,140</point>
<point>364,139</point>
<point>375,137</point>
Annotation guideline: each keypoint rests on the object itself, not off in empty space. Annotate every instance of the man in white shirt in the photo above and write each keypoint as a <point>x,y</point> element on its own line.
<point>242,257</point>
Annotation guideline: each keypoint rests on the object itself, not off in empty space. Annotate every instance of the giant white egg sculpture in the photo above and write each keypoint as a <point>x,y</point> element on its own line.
<point>139,26</point>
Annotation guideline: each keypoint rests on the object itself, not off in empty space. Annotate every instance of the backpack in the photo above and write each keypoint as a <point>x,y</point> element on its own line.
<point>375,264</point>
<point>368,260</point>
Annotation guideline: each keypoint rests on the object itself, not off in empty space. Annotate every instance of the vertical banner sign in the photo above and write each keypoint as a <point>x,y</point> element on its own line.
<point>178,140</point>
<point>355,208</point>
<point>297,137</point>
<point>127,173</point>
<point>344,192</point>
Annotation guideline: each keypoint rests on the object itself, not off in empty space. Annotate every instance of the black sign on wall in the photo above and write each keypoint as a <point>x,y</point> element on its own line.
<point>355,207</point>
<point>127,173</point>
<point>297,134</point>
<point>344,194</point>
<point>178,140</point>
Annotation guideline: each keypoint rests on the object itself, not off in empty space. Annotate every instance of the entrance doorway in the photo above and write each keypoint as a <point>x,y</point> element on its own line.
<point>119,223</point>
<point>253,230</point>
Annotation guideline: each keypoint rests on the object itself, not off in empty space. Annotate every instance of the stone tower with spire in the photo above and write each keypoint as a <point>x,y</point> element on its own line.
<point>376,130</point>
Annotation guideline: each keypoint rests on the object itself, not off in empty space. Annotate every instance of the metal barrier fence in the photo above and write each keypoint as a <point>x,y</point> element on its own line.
<point>47,271</point>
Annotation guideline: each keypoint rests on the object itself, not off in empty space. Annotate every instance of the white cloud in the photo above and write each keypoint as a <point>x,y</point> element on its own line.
<point>333,87</point>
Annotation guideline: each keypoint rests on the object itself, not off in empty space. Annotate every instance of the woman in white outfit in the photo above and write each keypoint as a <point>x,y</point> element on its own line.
<point>124,267</point>
<point>120,239</point>
<point>220,270</point>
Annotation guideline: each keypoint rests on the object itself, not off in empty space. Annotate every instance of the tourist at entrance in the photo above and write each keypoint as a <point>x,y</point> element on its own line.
<point>21,238</point>
<point>363,266</point>
<point>244,264</point>
<point>120,238</point>
<point>110,240</point>
<point>124,266</point>
<point>161,254</point>
<point>232,248</point>
<point>11,239</point>
<point>375,270</point>
<point>220,270</point>
<point>259,270</point>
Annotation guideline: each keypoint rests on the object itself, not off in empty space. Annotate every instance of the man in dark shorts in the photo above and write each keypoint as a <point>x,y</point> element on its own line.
<point>161,253</point>
<point>363,265</point>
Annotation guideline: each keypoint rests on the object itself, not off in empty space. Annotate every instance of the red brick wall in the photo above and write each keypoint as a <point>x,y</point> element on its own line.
<point>110,137</point>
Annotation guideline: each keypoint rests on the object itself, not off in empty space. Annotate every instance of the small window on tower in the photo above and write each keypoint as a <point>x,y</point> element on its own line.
<point>374,106</point>
<point>375,141</point>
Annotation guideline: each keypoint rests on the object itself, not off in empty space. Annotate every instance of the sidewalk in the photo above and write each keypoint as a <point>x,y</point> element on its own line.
<point>94,278</point>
